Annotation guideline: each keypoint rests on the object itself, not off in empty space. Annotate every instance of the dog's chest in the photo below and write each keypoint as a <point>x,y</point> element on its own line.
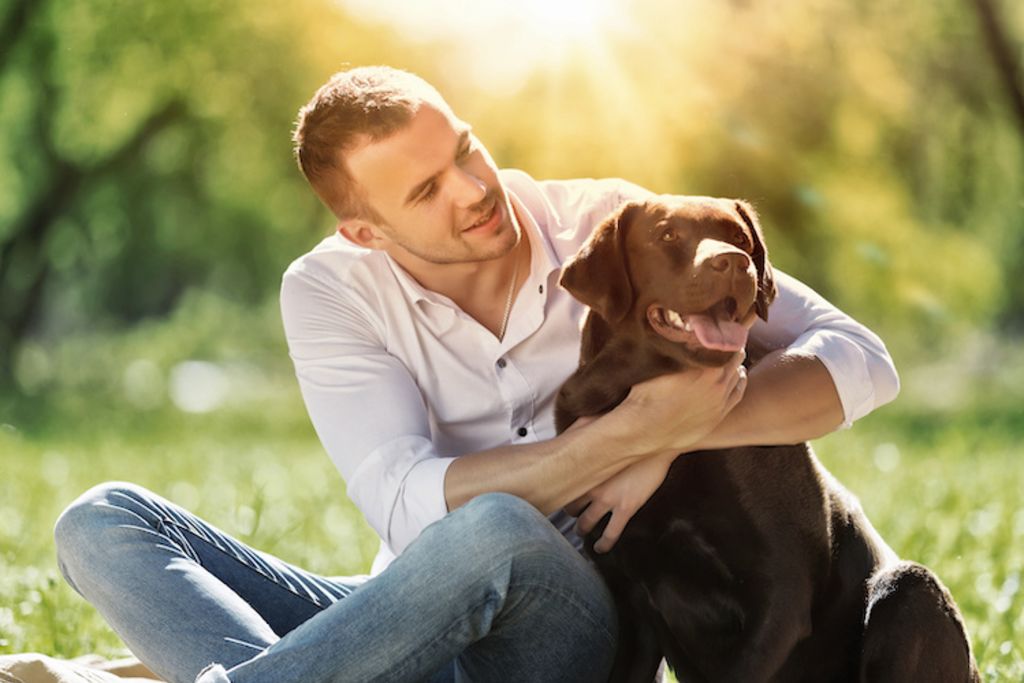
<point>738,509</point>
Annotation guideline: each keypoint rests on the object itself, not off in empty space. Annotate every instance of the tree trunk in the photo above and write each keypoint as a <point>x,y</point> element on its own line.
<point>1003,55</point>
<point>22,284</point>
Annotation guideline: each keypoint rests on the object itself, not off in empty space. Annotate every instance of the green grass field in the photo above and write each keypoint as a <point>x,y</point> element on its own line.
<point>944,488</point>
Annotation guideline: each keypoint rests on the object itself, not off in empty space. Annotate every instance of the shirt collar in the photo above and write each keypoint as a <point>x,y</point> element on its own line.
<point>543,259</point>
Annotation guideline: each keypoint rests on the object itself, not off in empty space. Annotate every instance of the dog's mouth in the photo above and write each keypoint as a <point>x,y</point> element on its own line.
<point>719,328</point>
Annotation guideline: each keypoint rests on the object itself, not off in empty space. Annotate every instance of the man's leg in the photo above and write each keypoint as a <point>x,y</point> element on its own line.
<point>178,591</point>
<point>492,584</point>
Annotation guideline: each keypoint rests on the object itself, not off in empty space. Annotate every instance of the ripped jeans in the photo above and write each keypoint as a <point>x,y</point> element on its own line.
<point>491,592</point>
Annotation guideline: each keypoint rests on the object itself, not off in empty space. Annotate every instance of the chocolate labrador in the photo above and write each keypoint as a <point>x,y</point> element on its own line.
<point>747,564</point>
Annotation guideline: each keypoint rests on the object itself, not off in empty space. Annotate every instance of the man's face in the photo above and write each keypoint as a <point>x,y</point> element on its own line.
<point>437,190</point>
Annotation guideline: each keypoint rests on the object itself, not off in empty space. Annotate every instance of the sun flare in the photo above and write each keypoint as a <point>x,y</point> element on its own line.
<point>571,20</point>
<point>499,42</point>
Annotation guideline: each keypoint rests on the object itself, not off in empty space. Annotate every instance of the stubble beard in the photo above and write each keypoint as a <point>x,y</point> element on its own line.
<point>463,251</point>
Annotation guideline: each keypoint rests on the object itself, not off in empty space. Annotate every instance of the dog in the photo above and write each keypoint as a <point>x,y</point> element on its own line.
<point>747,564</point>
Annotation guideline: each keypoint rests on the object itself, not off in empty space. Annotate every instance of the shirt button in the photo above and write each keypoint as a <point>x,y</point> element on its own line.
<point>541,289</point>
<point>521,431</point>
<point>502,363</point>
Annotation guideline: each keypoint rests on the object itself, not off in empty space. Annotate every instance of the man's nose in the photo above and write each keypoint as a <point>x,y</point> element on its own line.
<point>468,189</point>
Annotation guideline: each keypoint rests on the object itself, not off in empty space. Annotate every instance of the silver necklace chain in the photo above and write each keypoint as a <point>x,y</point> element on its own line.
<point>508,300</point>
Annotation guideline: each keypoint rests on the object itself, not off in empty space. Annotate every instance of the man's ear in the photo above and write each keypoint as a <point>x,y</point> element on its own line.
<point>598,275</point>
<point>361,233</point>
<point>766,289</point>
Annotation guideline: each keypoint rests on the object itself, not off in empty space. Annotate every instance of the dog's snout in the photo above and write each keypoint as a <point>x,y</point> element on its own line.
<point>735,261</point>
<point>721,258</point>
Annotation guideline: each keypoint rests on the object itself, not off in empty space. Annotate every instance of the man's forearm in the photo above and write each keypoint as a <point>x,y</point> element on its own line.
<point>790,398</point>
<point>548,474</point>
<point>668,413</point>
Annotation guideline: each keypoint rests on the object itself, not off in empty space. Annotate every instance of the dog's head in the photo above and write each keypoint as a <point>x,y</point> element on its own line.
<point>693,269</point>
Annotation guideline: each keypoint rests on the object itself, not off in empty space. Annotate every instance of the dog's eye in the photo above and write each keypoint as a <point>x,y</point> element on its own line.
<point>741,241</point>
<point>668,235</point>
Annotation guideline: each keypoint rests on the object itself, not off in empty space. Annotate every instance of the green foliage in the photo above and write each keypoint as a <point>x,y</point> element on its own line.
<point>145,151</point>
<point>144,147</point>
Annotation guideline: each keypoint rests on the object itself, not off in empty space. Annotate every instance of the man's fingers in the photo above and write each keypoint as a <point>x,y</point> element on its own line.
<point>740,388</point>
<point>589,518</point>
<point>612,532</point>
<point>730,368</point>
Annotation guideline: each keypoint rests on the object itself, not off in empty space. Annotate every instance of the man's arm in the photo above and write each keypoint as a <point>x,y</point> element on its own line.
<point>673,412</point>
<point>791,398</point>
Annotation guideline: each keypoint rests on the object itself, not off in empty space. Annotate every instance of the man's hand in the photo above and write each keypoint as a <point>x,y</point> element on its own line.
<point>660,418</point>
<point>622,495</point>
<point>675,411</point>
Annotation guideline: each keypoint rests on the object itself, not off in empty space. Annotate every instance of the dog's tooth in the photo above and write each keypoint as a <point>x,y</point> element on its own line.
<point>677,321</point>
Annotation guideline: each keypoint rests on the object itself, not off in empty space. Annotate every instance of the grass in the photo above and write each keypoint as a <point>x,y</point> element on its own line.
<point>260,478</point>
<point>942,485</point>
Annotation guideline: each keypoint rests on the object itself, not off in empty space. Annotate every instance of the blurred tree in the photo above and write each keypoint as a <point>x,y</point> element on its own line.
<point>1000,47</point>
<point>145,150</point>
<point>25,265</point>
<point>144,147</point>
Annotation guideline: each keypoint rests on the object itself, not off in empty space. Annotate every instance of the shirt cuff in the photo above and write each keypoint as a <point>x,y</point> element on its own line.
<point>399,488</point>
<point>847,363</point>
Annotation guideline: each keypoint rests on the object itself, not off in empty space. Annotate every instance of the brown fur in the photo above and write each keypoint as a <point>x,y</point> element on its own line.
<point>748,564</point>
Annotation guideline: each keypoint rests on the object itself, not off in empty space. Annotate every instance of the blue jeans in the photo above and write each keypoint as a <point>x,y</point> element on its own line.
<point>491,592</point>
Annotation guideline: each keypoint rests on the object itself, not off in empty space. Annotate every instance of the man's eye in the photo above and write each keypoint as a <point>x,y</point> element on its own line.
<point>429,192</point>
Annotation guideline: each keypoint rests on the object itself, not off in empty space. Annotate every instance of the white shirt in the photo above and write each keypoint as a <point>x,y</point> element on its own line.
<point>399,382</point>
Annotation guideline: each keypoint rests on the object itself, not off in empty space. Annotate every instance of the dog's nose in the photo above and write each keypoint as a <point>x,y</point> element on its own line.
<point>730,261</point>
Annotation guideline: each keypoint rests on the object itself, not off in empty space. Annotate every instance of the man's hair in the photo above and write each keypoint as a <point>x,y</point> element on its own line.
<point>358,106</point>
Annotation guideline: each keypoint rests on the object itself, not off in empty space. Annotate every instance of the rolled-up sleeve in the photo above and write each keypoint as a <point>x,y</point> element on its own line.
<point>365,408</point>
<point>856,358</point>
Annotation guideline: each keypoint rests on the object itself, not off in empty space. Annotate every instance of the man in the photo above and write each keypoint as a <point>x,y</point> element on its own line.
<point>429,338</point>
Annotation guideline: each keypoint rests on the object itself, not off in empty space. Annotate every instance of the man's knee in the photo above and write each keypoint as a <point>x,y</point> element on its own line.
<point>502,521</point>
<point>498,506</point>
<point>499,530</point>
<point>79,528</point>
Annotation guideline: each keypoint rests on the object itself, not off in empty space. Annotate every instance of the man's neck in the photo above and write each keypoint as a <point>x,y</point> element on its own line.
<point>481,288</point>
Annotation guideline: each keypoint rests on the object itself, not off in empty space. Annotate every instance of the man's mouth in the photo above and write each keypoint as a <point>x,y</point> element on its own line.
<point>719,328</point>
<point>492,215</point>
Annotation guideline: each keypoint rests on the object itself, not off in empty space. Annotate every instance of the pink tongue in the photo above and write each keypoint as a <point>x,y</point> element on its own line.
<point>719,335</point>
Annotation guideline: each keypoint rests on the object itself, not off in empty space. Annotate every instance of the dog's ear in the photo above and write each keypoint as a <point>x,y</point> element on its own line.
<point>766,289</point>
<point>598,275</point>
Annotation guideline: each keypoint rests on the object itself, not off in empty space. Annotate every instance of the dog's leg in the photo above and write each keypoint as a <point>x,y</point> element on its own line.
<point>638,655</point>
<point>914,631</point>
<point>637,652</point>
<point>763,651</point>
